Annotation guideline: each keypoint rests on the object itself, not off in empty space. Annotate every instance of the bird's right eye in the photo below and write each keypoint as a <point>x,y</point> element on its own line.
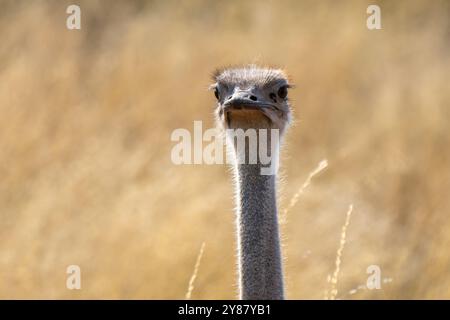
<point>216,93</point>
<point>282,92</point>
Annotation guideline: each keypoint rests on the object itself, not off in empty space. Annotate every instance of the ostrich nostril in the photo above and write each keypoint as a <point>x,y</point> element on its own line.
<point>253,98</point>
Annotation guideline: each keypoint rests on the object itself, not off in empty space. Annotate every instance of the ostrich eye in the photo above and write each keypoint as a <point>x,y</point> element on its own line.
<point>216,93</point>
<point>282,92</point>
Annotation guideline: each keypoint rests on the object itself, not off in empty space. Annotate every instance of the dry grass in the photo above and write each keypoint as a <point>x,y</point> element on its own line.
<point>86,117</point>
<point>320,167</point>
<point>195,272</point>
<point>333,280</point>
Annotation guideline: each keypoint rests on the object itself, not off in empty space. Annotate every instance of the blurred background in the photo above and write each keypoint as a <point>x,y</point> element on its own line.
<point>85,123</point>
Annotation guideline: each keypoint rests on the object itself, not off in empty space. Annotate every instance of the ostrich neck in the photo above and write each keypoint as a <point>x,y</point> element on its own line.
<point>260,266</point>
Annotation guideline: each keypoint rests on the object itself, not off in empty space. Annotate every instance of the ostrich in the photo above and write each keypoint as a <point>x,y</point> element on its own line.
<point>255,98</point>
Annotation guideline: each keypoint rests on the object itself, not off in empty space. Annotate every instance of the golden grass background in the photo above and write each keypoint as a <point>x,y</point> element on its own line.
<point>85,123</point>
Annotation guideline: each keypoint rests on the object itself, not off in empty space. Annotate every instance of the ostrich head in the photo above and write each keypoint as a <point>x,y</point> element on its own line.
<point>255,98</point>
<point>252,97</point>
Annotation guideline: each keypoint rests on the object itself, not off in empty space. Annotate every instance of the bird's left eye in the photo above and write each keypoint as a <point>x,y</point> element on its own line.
<point>282,92</point>
<point>216,93</point>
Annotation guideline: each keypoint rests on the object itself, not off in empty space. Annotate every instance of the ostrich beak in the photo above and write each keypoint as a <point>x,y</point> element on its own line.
<point>245,100</point>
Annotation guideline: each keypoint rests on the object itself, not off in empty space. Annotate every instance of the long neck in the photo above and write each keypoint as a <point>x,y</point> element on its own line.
<point>260,265</point>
